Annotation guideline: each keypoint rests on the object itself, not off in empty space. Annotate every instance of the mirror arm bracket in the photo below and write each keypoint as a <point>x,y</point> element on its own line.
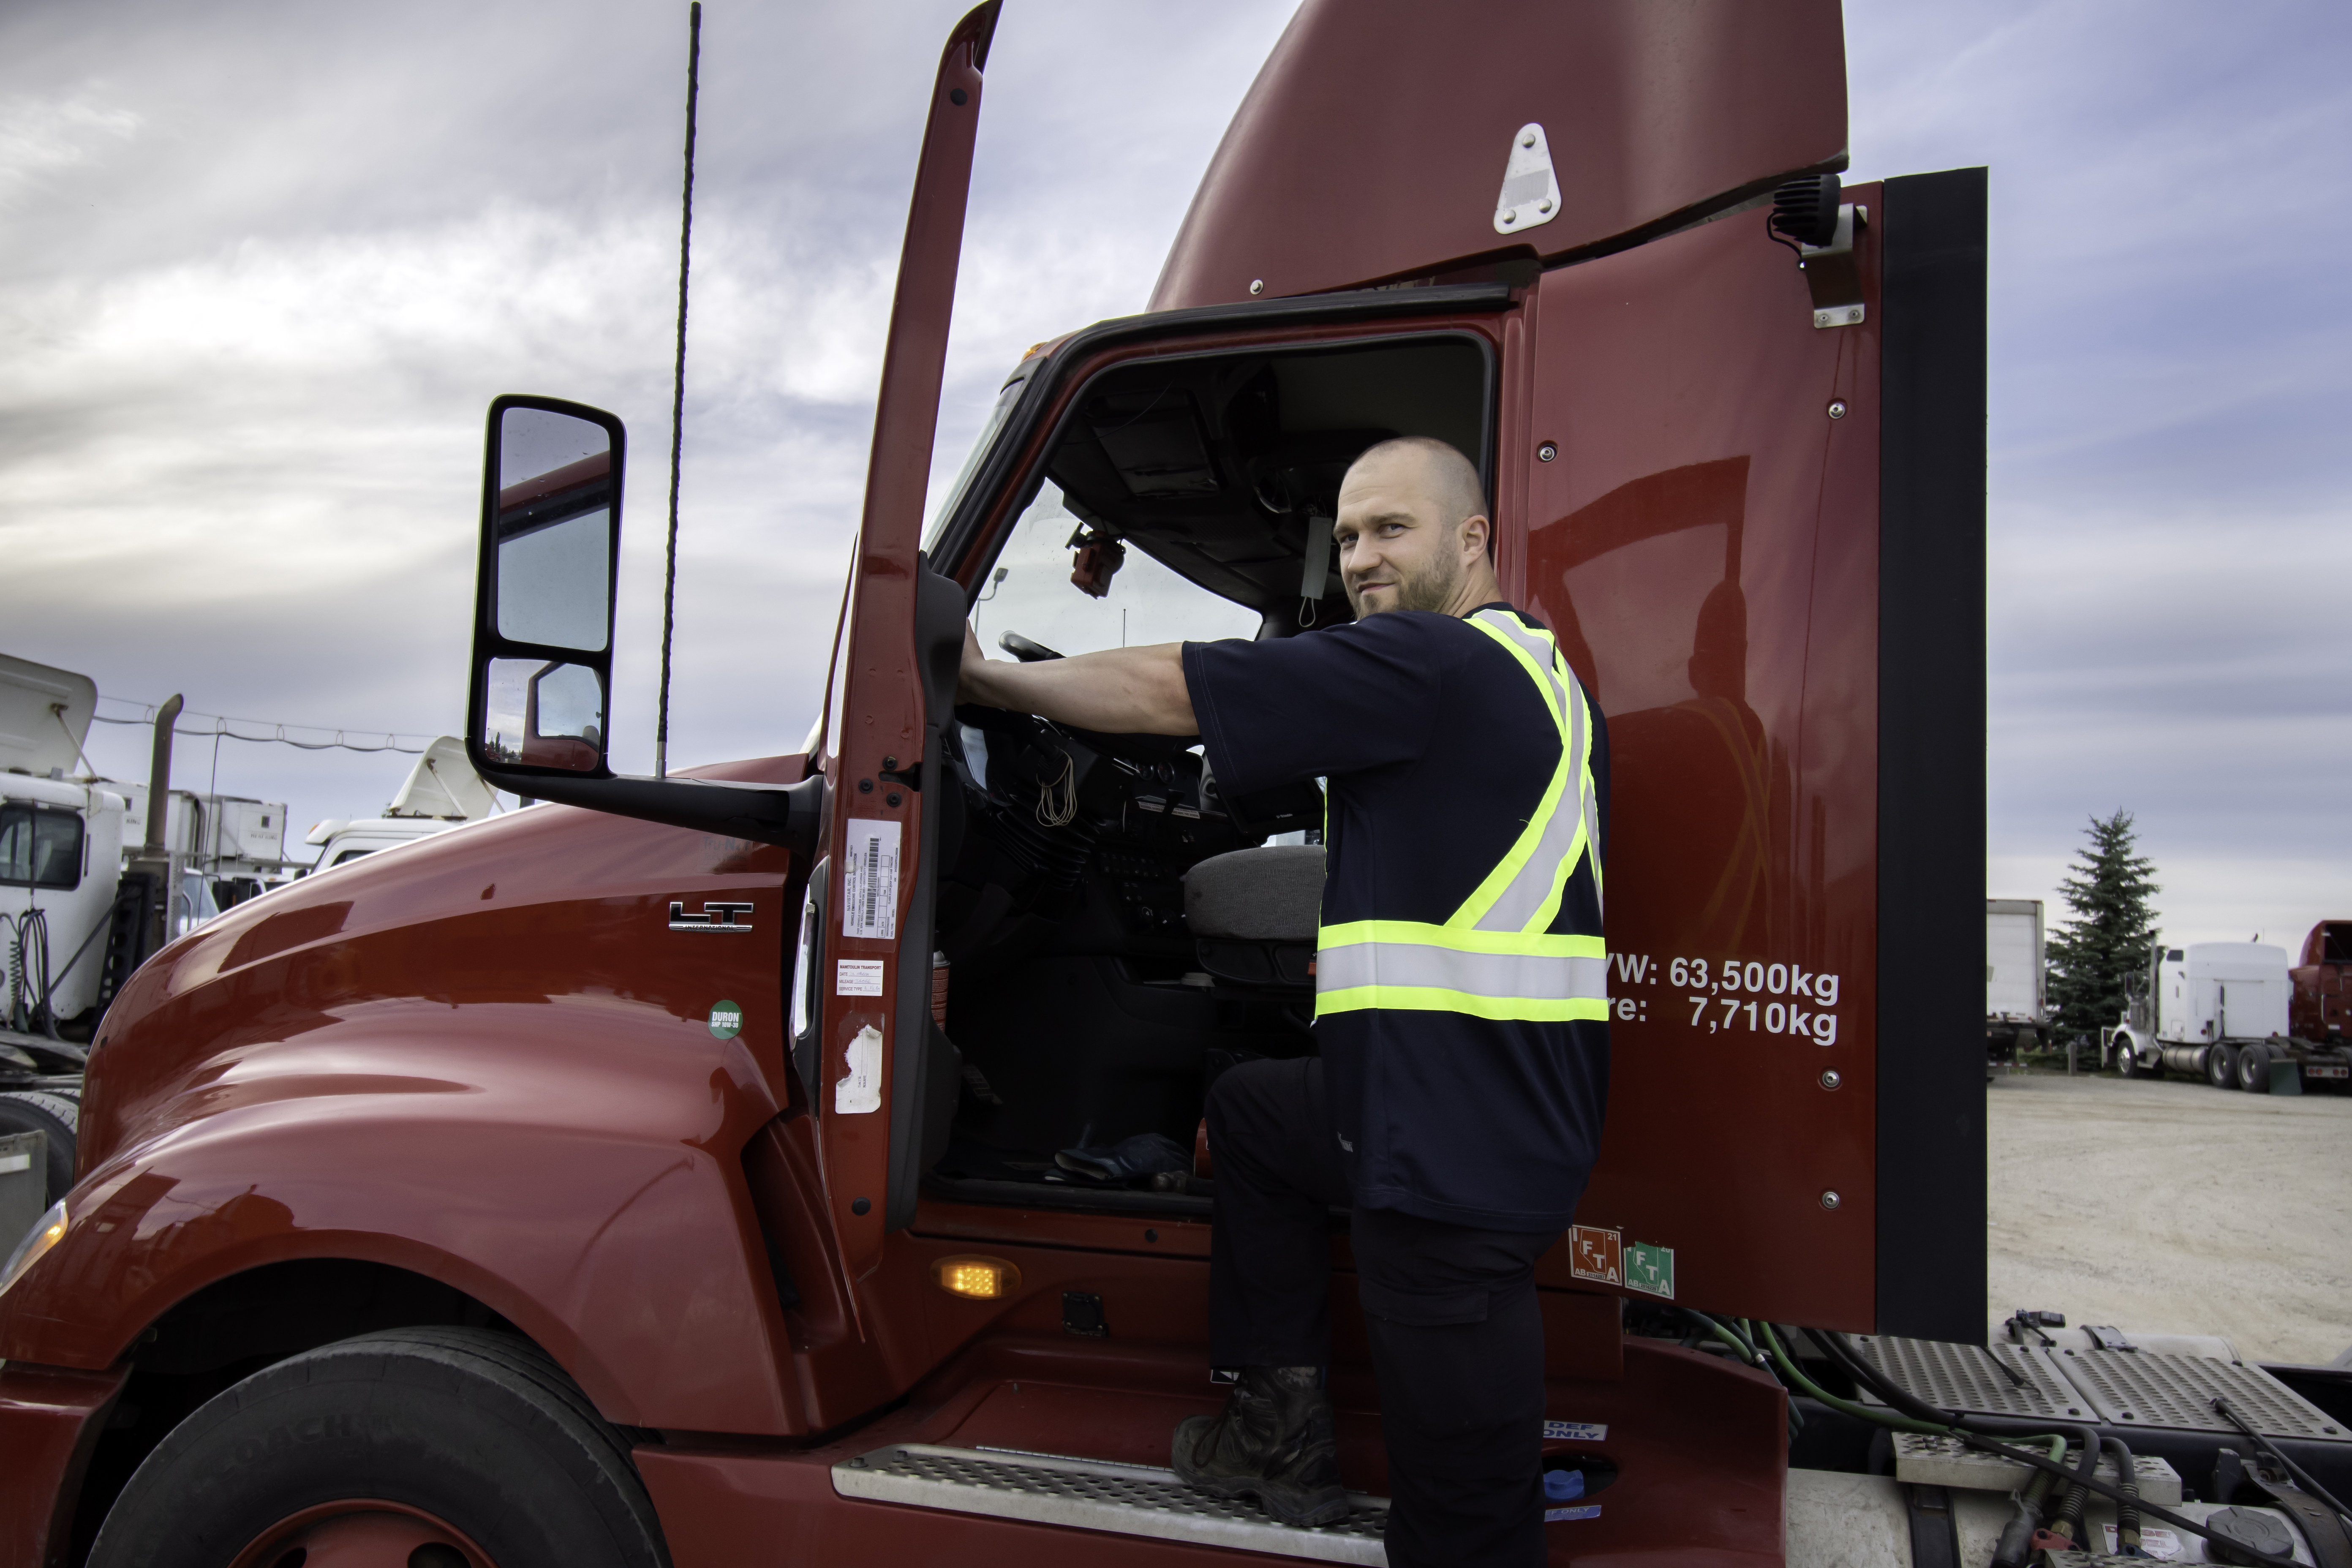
<point>786,815</point>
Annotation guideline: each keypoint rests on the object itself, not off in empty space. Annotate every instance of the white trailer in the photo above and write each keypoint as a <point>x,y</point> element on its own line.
<point>2214,1009</point>
<point>2016,1003</point>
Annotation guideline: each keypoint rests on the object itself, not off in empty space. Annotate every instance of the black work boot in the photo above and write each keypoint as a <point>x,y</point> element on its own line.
<point>1273,1442</point>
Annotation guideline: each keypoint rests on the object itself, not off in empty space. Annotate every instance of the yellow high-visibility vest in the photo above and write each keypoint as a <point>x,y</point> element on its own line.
<point>1496,956</point>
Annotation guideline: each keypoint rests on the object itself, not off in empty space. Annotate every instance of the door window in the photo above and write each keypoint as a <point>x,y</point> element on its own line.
<point>39,848</point>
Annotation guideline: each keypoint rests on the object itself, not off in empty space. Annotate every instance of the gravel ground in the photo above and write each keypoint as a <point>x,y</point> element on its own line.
<point>2171,1206</point>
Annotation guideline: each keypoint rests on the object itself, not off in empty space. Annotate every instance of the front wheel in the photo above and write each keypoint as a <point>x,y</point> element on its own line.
<point>2128,1058</point>
<point>404,1448</point>
<point>2222,1067</point>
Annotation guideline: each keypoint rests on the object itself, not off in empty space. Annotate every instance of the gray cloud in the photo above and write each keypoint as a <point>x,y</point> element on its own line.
<point>265,264</point>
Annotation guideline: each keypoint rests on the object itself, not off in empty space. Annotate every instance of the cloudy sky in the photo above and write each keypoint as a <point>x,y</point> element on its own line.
<point>261,266</point>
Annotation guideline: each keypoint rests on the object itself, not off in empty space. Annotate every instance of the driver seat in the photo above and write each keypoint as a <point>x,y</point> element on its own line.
<point>1253,915</point>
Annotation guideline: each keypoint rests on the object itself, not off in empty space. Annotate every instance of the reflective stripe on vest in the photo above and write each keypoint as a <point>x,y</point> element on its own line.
<point>1494,957</point>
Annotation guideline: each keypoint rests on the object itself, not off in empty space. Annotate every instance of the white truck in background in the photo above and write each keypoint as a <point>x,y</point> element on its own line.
<point>2218,1010</point>
<point>61,845</point>
<point>442,791</point>
<point>2016,998</point>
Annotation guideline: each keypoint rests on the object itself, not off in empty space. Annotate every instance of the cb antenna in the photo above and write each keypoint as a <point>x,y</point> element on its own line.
<point>677,389</point>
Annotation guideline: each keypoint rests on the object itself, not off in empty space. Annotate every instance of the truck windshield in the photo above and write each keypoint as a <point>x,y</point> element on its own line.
<point>1029,593</point>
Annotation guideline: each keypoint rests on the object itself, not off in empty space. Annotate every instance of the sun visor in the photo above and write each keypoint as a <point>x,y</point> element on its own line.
<point>44,717</point>
<point>1390,140</point>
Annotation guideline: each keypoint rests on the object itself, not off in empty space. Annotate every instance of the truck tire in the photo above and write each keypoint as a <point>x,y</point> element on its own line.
<point>2128,1060</point>
<point>2254,1070</point>
<point>2222,1067</point>
<point>436,1448</point>
<point>48,1113</point>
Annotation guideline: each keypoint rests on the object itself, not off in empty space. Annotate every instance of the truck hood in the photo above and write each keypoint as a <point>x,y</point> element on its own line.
<point>551,907</point>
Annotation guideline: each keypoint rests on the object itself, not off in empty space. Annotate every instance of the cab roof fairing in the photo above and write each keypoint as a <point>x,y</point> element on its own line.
<point>1372,145</point>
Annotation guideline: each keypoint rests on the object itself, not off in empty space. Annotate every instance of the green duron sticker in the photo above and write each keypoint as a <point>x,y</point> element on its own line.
<point>1650,1269</point>
<point>726,1020</point>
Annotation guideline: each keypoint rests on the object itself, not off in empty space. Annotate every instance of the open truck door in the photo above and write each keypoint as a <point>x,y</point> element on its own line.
<point>1737,467</point>
<point>887,1078</point>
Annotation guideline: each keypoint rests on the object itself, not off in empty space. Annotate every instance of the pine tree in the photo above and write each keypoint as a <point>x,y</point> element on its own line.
<point>2109,936</point>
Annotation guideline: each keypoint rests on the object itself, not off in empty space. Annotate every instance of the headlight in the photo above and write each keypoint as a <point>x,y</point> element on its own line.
<point>45,1233</point>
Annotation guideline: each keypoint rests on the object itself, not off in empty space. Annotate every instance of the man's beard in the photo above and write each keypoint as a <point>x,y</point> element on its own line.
<point>1431,589</point>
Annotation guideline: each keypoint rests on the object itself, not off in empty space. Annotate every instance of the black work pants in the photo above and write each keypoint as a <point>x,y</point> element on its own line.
<point>1457,1343</point>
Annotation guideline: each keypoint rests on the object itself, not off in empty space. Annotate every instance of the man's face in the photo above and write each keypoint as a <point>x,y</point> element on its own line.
<point>1398,550</point>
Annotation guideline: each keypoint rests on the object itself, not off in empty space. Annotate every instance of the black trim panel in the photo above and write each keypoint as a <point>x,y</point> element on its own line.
<point>1931,1207</point>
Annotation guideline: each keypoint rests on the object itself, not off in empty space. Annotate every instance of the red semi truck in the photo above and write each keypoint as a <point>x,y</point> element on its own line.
<point>2323,997</point>
<point>668,1172</point>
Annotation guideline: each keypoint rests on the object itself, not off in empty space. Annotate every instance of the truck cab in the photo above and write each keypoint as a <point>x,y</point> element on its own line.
<point>61,842</point>
<point>2323,993</point>
<point>733,1122</point>
<point>2213,1009</point>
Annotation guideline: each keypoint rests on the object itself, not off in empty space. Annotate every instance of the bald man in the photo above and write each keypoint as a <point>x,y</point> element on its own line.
<point>1453,1102</point>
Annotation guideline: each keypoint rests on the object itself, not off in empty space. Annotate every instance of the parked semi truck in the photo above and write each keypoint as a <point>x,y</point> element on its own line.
<point>2221,1011</point>
<point>2015,1009</point>
<point>442,792</point>
<point>669,1174</point>
<point>2323,985</point>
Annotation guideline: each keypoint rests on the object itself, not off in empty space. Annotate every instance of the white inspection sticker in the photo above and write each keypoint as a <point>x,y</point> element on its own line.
<point>857,977</point>
<point>1574,1432</point>
<point>869,885</point>
<point>860,1088</point>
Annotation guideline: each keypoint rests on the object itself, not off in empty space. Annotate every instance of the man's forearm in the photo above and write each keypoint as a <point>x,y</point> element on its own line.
<point>1120,690</point>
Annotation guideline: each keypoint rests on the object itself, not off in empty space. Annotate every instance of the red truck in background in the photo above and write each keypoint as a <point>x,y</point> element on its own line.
<point>2322,1000</point>
<point>597,1183</point>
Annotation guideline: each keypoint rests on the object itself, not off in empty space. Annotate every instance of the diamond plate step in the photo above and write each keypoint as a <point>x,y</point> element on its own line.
<point>2130,1389</point>
<point>1970,1379</point>
<point>1925,1459</point>
<point>1093,1494</point>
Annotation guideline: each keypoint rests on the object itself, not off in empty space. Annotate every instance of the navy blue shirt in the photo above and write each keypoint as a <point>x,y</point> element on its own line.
<point>1437,749</point>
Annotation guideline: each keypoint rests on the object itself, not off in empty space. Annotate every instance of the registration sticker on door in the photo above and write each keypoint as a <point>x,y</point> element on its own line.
<point>869,885</point>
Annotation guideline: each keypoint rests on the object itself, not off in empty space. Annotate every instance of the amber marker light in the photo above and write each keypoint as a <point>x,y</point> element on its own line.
<point>46,1232</point>
<point>977,1279</point>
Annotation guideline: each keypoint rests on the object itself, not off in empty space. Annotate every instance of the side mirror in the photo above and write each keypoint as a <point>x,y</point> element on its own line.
<point>543,595</point>
<point>543,664</point>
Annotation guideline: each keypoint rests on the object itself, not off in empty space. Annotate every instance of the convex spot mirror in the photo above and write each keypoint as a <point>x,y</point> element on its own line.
<point>550,538</point>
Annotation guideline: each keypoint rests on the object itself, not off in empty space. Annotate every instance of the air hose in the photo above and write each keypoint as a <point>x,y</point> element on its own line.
<point>2127,1480</point>
<point>29,988</point>
<point>2016,1544</point>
